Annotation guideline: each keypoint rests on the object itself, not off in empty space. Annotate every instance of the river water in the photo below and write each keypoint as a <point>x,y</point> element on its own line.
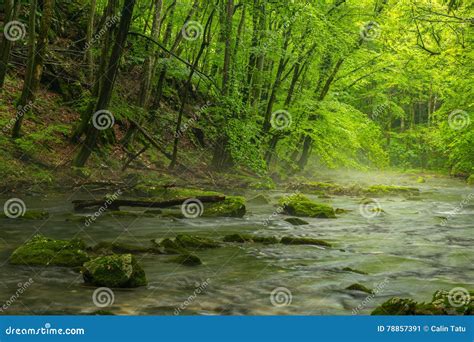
<point>408,251</point>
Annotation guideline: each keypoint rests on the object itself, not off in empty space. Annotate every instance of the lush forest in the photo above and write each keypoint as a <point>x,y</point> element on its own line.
<point>234,104</point>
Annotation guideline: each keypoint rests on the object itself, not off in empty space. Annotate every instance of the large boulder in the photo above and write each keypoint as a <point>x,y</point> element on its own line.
<point>300,205</point>
<point>43,251</point>
<point>119,270</point>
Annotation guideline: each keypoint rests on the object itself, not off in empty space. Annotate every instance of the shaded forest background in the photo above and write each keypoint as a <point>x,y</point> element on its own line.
<point>257,87</point>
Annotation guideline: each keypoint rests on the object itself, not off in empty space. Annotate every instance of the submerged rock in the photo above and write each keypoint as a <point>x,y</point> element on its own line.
<point>291,240</point>
<point>44,251</point>
<point>120,270</point>
<point>29,215</point>
<point>170,246</point>
<point>295,221</point>
<point>348,269</point>
<point>242,238</point>
<point>105,248</point>
<point>188,259</point>
<point>359,287</point>
<point>442,303</point>
<point>195,242</point>
<point>232,206</point>
<point>300,205</point>
<point>259,199</point>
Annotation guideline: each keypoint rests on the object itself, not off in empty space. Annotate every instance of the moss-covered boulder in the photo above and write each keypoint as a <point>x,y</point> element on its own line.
<point>43,251</point>
<point>293,240</point>
<point>119,270</point>
<point>300,205</point>
<point>360,288</point>
<point>295,221</point>
<point>378,190</point>
<point>242,238</point>
<point>29,215</point>
<point>169,246</point>
<point>442,303</point>
<point>259,199</point>
<point>188,259</point>
<point>232,206</point>
<point>195,242</point>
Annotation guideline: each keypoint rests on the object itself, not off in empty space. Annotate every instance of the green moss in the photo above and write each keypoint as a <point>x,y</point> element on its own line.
<point>242,238</point>
<point>439,305</point>
<point>195,242</point>
<point>348,269</point>
<point>30,215</point>
<point>420,180</point>
<point>470,180</point>
<point>160,192</point>
<point>119,270</point>
<point>359,287</point>
<point>300,205</point>
<point>48,252</point>
<point>259,199</point>
<point>295,221</point>
<point>232,206</point>
<point>291,240</point>
<point>169,246</point>
<point>391,190</point>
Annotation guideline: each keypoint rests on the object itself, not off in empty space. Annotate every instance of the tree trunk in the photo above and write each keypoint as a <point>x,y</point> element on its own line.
<point>90,29</point>
<point>11,13</point>
<point>106,90</point>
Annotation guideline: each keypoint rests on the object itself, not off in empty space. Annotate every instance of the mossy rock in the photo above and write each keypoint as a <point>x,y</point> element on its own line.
<point>170,246</point>
<point>161,192</point>
<point>291,240</point>
<point>153,212</point>
<point>259,199</point>
<point>295,221</point>
<point>195,242</point>
<point>420,180</point>
<point>29,215</point>
<point>348,269</point>
<point>441,304</point>
<point>188,259</point>
<point>391,190</point>
<point>119,270</point>
<point>300,205</point>
<point>105,248</point>
<point>243,238</point>
<point>232,206</point>
<point>43,251</point>
<point>359,287</point>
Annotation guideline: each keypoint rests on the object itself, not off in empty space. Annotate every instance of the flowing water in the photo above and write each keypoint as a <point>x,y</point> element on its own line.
<point>409,251</point>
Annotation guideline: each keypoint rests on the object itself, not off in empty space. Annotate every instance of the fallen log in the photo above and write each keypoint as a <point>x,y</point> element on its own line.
<point>115,204</point>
